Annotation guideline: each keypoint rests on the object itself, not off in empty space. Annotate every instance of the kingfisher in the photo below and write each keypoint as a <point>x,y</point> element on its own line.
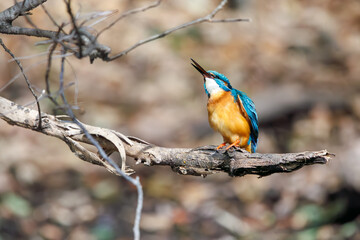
<point>230,111</point>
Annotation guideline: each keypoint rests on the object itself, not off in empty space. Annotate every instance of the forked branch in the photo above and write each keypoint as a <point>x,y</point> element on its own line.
<point>80,40</point>
<point>208,18</point>
<point>198,161</point>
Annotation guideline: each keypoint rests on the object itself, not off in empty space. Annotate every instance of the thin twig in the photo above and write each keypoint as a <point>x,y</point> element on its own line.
<point>52,19</point>
<point>86,43</point>
<point>30,56</point>
<point>27,18</point>
<point>41,96</point>
<point>228,20</point>
<point>76,88</point>
<point>28,68</point>
<point>26,79</point>
<point>217,9</point>
<point>91,16</point>
<point>208,18</point>
<point>135,182</point>
<point>8,83</point>
<point>48,68</point>
<point>130,12</point>
<point>73,21</point>
<point>61,82</point>
<point>47,74</point>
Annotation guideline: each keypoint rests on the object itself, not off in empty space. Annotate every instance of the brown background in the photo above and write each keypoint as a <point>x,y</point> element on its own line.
<point>298,61</point>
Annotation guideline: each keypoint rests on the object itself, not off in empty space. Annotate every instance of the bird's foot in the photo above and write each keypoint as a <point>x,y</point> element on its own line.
<point>234,144</point>
<point>221,146</point>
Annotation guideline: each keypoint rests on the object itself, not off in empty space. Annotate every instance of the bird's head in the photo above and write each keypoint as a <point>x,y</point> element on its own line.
<point>214,82</point>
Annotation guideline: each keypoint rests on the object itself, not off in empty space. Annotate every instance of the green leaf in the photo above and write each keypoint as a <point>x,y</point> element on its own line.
<point>17,205</point>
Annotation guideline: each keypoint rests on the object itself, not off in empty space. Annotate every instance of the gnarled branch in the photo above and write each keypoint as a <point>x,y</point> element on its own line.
<point>198,161</point>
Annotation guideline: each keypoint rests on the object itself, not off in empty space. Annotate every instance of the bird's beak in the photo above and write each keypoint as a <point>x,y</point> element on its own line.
<point>200,69</point>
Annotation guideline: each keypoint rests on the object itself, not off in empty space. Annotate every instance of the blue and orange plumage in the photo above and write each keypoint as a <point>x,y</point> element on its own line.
<point>230,111</point>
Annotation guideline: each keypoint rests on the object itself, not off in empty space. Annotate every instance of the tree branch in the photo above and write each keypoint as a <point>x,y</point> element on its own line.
<point>127,13</point>
<point>19,9</point>
<point>207,18</point>
<point>81,37</point>
<point>198,161</point>
<point>25,77</point>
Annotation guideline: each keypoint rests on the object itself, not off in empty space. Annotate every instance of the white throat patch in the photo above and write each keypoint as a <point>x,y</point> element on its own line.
<point>211,86</point>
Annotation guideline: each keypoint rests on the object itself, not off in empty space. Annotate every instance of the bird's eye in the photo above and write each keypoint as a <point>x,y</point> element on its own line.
<point>213,75</point>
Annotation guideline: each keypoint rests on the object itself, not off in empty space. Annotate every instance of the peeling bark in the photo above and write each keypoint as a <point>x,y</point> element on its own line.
<point>198,161</point>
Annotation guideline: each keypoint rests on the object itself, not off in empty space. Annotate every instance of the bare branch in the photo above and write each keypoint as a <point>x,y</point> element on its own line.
<point>228,20</point>
<point>48,68</point>
<point>32,32</point>
<point>51,18</point>
<point>80,36</point>
<point>199,161</point>
<point>86,42</point>
<point>217,9</point>
<point>75,27</point>
<point>101,15</point>
<point>208,18</point>
<point>130,12</point>
<point>26,79</point>
<point>31,56</point>
<point>81,42</point>
<point>108,161</point>
<point>19,9</point>
<point>22,9</point>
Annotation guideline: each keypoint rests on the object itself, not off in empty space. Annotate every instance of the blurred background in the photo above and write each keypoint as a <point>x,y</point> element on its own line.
<point>299,62</point>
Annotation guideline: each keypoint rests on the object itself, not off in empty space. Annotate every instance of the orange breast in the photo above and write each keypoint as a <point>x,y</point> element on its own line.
<point>225,117</point>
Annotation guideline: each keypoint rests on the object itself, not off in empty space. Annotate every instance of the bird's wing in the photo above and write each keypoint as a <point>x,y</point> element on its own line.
<point>247,107</point>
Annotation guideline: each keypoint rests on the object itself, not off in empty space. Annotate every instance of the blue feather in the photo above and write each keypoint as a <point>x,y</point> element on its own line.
<point>249,107</point>
<point>206,91</point>
<point>221,77</point>
<point>222,81</point>
<point>247,103</point>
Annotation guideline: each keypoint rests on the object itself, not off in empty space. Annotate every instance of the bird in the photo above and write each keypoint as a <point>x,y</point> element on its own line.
<point>230,111</point>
